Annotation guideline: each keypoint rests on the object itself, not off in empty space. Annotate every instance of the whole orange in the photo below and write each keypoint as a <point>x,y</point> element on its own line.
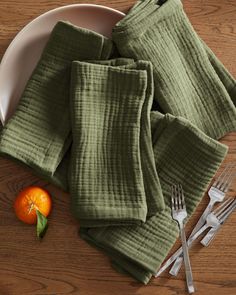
<point>29,200</point>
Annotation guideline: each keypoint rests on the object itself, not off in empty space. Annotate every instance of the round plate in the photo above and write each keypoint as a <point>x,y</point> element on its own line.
<point>24,51</point>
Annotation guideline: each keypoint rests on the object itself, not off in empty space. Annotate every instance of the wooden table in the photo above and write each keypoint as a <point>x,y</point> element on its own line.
<point>64,264</point>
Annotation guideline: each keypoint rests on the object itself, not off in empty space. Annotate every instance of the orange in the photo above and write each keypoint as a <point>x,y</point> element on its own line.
<point>29,200</point>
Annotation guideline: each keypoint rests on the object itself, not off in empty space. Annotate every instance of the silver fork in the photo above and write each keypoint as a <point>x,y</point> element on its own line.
<point>216,193</point>
<point>214,219</point>
<point>179,214</point>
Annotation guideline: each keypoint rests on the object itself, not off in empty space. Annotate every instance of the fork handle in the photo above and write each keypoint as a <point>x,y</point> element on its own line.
<point>188,270</point>
<point>203,217</point>
<point>210,236</point>
<point>178,263</point>
<point>176,266</point>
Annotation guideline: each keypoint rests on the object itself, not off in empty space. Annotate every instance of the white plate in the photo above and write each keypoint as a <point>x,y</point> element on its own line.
<point>24,51</point>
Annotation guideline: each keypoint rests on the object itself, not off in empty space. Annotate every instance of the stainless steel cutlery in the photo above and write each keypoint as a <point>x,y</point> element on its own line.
<point>213,220</point>
<point>216,193</point>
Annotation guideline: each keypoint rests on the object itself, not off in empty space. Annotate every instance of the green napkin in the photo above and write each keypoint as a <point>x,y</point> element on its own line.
<point>183,154</point>
<point>39,133</point>
<point>189,81</point>
<point>112,175</point>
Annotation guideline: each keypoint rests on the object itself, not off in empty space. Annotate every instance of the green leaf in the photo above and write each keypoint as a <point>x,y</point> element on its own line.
<point>42,224</point>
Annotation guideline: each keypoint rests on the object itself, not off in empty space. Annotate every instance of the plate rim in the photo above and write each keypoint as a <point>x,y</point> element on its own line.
<point>18,35</point>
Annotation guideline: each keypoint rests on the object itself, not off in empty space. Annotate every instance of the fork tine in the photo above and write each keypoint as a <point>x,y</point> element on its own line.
<point>227,211</point>
<point>178,196</point>
<point>222,207</point>
<point>221,175</point>
<point>182,196</point>
<point>225,177</point>
<point>173,203</point>
<point>172,198</point>
<point>227,184</point>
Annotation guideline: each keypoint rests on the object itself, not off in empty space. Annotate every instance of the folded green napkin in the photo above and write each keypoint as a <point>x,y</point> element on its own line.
<point>189,80</point>
<point>112,179</point>
<point>183,154</point>
<point>39,133</point>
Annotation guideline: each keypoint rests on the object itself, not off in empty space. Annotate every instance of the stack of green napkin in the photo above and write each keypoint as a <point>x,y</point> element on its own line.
<point>189,80</point>
<point>85,123</point>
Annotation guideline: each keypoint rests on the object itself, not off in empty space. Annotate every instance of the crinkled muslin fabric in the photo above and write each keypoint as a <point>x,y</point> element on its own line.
<point>87,122</point>
<point>189,80</point>
<point>110,113</point>
<point>183,154</point>
<point>39,134</point>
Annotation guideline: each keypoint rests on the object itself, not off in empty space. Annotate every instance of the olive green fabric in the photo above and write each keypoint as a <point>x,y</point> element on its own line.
<point>183,154</point>
<point>226,78</point>
<point>39,133</point>
<point>189,80</point>
<point>112,176</point>
<point>121,155</point>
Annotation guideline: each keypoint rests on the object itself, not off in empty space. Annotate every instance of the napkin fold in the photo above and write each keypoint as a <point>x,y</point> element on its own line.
<point>39,133</point>
<point>183,154</point>
<point>112,179</point>
<point>189,80</point>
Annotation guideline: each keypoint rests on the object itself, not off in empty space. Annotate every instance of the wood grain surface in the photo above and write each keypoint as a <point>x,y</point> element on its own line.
<point>64,264</point>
